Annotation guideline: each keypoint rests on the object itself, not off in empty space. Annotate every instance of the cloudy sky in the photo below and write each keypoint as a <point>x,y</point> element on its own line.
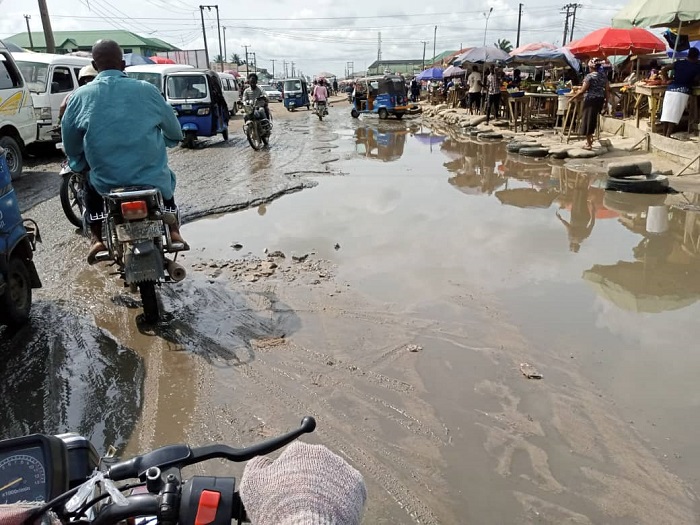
<point>322,35</point>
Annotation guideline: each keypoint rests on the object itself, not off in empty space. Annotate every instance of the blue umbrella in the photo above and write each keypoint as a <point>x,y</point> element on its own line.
<point>684,53</point>
<point>429,138</point>
<point>132,59</point>
<point>433,73</point>
<point>545,56</point>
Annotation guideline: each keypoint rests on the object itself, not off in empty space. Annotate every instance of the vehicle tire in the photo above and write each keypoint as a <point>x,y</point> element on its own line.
<point>254,138</point>
<point>354,113</point>
<point>514,147</point>
<point>308,107</point>
<point>320,116</point>
<point>189,140</point>
<point>533,152</point>
<point>398,116</point>
<point>490,135</point>
<point>13,155</point>
<point>149,300</point>
<point>71,200</point>
<point>266,140</point>
<point>383,113</point>
<point>16,302</point>
<point>651,184</point>
<point>224,134</point>
<point>289,109</point>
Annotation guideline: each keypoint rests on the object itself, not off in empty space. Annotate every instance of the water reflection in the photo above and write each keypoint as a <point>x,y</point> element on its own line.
<point>61,373</point>
<point>384,145</point>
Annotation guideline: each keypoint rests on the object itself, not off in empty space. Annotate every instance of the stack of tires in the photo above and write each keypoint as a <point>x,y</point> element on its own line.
<point>635,177</point>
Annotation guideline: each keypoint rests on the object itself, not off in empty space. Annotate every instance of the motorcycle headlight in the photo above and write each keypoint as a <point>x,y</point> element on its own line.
<point>203,111</point>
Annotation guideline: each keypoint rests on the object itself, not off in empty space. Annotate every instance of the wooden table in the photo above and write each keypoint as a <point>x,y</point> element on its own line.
<point>519,109</point>
<point>655,95</point>
<point>542,108</point>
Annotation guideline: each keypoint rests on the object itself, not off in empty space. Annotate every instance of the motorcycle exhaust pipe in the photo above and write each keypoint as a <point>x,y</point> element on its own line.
<point>176,271</point>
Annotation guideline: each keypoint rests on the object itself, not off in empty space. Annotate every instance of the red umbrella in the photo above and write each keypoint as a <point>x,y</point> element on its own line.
<point>162,60</point>
<point>610,41</point>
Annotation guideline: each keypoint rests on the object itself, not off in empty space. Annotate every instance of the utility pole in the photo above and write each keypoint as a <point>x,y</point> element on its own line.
<point>247,66</point>
<point>273,67</point>
<point>424,42</point>
<point>520,17</point>
<point>379,45</point>
<point>224,28</point>
<point>204,33</point>
<point>292,69</point>
<point>29,32</point>
<point>434,39</point>
<point>46,23</point>
<point>218,28</point>
<point>255,63</point>
<point>573,22</point>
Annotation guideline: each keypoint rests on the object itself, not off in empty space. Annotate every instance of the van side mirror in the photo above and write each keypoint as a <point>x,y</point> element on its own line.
<point>55,87</point>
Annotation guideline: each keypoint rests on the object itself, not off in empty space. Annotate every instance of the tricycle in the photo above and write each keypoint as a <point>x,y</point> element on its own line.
<point>18,238</point>
<point>383,95</point>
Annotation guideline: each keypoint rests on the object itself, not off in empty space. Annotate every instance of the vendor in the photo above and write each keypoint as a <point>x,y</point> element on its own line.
<point>595,91</point>
<point>686,74</point>
<point>517,79</point>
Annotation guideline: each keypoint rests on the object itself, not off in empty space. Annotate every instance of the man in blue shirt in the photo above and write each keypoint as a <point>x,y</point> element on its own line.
<point>118,128</point>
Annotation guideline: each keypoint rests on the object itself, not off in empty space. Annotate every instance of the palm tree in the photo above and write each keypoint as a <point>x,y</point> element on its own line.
<point>504,45</point>
<point>219,59</point>
<point>235,59</point>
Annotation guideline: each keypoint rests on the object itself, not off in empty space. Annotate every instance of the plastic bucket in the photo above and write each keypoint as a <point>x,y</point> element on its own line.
<point>657,219</point>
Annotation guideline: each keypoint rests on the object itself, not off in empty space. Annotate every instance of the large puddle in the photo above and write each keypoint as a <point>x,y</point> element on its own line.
<point>603,283</point>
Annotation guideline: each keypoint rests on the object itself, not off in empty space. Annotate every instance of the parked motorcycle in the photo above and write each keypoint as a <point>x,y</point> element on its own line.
<point>321,109</point>
<point>137,235</point>
<point>18,238</point>
<point>256,125</point>
<point>72,192</point>
<point>66,473</point>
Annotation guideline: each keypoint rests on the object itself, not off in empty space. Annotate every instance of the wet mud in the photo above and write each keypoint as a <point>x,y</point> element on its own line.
<point>420,270</point>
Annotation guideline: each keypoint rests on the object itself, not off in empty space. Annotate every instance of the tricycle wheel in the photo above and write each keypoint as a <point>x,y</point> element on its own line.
<point>16,302</point>
<point>13,156</point>
<point>149,300</point>
<point>189,140</point>
<point>383,113</point>
<point>70,199</point>
<point>354,113</point>
<point>398,116</point>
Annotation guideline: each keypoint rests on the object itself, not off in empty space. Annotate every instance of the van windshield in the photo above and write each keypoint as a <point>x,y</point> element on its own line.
<point>35,75</point>
<point>189,86</point>
<point>292,85</point>
<point>151,78</point>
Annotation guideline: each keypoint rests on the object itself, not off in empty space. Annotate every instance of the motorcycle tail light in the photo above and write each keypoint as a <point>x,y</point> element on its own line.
<point>134,210</point>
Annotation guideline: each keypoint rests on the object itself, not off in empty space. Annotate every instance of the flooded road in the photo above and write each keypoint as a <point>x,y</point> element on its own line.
<point>395,298</point>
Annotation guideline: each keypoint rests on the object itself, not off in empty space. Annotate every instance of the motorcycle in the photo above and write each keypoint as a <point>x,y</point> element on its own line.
<point>257,126</point>
<point>72,192</point>
<point>137,235</point>
<point>18,238</point>
<point>79,486</point>
<point>321,109</point>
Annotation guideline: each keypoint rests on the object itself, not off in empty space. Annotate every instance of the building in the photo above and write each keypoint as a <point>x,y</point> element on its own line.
<point>405,67</point>
<point>70,41</point>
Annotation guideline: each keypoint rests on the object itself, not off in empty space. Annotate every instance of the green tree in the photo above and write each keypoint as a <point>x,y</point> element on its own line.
<point>235,59</point>
<point>504,45</point>
<point>219,59</point>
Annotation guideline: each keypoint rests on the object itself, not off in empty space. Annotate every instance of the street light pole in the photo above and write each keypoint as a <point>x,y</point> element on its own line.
<point>424,42</point>
<point>434,39</point>
<point>29,32</point>
<point>487,24</point>
<point>204,33</point>
<point>224,28</point>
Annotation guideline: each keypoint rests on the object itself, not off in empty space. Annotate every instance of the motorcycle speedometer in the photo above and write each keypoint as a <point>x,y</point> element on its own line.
<point>32,468</point>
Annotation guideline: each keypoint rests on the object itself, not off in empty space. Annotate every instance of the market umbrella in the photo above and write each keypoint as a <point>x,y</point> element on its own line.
<point>433,73</point>
<point>453,71</point>
<point>161,60</point>
<point>685,52</point>
<point>132,59</point>
<point>535,46</point>
<point>541,57</point>
<point>617,41</point>
<point>527,197</point>
<point>324,74</point>
<point>482,55</point>
<point>429,138</point>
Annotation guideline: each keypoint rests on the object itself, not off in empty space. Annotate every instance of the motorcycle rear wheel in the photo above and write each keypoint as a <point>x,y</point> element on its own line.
<point>149,299</point>
<point>71,201</point>
<point>16,302</point>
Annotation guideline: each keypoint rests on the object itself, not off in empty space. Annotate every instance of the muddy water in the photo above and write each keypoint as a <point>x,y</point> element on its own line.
<point>485,260</point>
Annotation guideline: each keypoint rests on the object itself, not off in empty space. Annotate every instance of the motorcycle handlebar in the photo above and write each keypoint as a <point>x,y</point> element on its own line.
<point>138,505</point>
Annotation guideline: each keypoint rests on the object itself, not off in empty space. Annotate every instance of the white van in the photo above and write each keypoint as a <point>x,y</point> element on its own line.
<point>229,85</point>
<point>155,73</point>
<point>49,78</point>
<point>17,119</point>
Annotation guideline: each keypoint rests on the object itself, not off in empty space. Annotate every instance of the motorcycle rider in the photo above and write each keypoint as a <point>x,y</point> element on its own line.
<point>86,75</point>
<point>253,92</point>
<point>306,485</point>
<point>119,147</point>
<point>320,92</point>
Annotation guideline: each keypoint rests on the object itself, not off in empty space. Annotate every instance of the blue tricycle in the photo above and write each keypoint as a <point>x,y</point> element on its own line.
<point>18,238</point>
<point>295,94</point>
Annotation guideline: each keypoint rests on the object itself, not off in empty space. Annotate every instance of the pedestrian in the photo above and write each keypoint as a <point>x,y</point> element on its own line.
<point>335,86</point>
<point>475,82</point>
<point>493,92</point>
<point>686,73</point>
<point>595,91</point>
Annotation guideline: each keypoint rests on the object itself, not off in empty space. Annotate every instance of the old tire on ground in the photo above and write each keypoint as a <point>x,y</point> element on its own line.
<point>383,113</point>
<point>70,201</point>
<point>652,184</point>
<point>533,152</point>
<point>354,113</point>
<point>490,135</point>
<point>514,147</point>
<point>474,132</point>
<point>149,300</point>
<point>631,203</point>
<point>620,170</point>
<point>13,156</point>
<point>16,302</point>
